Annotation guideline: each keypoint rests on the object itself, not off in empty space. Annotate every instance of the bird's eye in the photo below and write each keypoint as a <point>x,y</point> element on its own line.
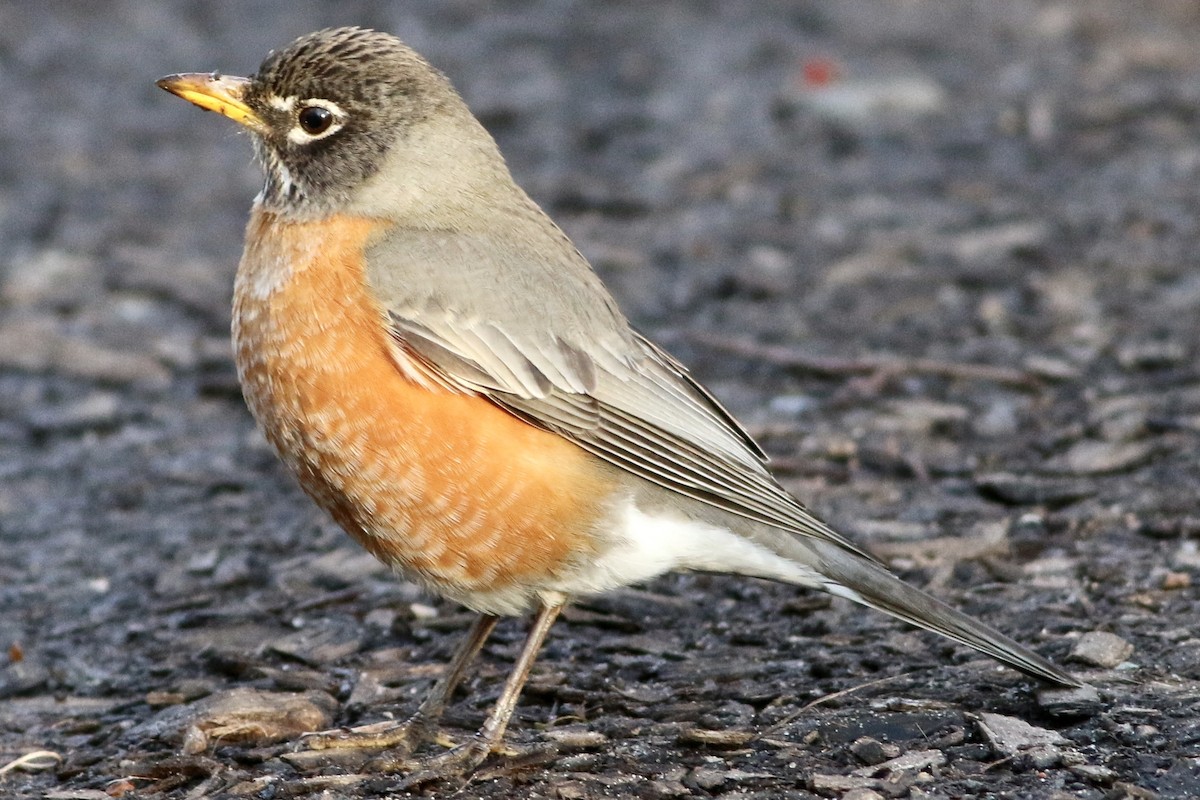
<point>315,120</point>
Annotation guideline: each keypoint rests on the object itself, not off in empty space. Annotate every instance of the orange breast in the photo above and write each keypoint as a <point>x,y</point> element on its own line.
<point>444,486</point>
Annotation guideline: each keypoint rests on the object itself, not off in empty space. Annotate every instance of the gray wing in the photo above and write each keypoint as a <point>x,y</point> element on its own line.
<point>567,361</point>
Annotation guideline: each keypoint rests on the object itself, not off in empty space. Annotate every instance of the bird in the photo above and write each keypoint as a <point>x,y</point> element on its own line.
<point>446,376</point>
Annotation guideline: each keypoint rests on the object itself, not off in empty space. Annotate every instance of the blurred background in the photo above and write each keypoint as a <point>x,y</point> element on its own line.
<point>938,254</point>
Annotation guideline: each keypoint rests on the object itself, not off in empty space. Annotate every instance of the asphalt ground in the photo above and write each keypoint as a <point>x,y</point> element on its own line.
<point>937,254</point>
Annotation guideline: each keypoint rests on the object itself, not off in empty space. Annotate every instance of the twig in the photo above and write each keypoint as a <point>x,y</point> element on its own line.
<point>826,698</point>
<point>36,761</point>
<point>794,359</point>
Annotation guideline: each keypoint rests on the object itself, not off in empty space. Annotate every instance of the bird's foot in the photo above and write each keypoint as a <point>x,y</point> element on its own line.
<point>388,748</point>
<point>401,737</point>
<point>459,763</point>
<point>454,764</point>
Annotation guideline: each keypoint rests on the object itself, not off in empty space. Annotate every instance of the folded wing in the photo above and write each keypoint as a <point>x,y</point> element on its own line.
<point>575,368</point>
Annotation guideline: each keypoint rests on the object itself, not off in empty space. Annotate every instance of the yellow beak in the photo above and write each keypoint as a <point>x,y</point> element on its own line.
<point>215,92</point>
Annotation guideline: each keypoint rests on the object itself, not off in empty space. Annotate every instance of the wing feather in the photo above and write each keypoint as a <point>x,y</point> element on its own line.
<point>576,369</point>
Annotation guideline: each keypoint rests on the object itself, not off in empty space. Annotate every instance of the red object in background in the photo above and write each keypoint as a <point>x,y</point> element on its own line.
<point>819,72</point>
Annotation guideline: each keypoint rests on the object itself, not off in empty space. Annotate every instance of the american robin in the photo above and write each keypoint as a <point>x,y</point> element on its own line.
<point>446,376</point>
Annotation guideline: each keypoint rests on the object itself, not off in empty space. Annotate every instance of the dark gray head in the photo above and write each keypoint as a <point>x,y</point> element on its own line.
<point>327,110</point>
<point>333,103</point>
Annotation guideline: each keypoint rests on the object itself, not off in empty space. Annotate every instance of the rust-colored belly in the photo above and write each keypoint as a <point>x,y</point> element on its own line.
<point>445,486</point>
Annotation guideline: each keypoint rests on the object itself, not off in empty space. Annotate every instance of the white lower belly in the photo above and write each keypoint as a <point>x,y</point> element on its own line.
<point>647,544</point>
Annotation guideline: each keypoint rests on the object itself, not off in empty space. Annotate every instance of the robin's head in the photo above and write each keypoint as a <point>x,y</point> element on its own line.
<point>344,116</point>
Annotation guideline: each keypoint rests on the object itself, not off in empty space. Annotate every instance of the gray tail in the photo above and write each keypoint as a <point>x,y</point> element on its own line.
<point>866,582</point>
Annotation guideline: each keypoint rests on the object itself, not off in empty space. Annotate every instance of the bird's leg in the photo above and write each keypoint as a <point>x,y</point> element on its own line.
<point>464,758</point>
<point>408,735</point>
<point>492,732</point>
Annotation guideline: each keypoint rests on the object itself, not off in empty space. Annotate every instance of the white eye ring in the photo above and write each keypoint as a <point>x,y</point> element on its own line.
<point>315,120</point>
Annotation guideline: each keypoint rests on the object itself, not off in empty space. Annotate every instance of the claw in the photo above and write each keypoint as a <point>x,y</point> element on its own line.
<point>398,741</point>
<point>455,764</point>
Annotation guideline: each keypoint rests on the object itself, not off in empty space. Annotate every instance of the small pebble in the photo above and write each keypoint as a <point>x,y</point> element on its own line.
<point>1151,355</point>
<point>1093,773</point>
<point>195,741</point>
<point>422,611</point>
<point>723,739</point>
<point>1054,369</point>
<point>862,794</point>
<point>917,760</point>
<point>1176,580</point>
<point>40,345</point>
<point>1010,736</point>
<point>157,699</point>
<point>839,785</point>
<point>574,738</point>
<point>707,778</point>
<point>1029,490</point>
<point>1101,649</point>
<point>872,751</point>
<point>1000,418</point>
<point>869,101</point>
<point>1083,701</point>
<point>1102,458</point>
<point>989,242</point>
<point>1187,556</point>
<point>96,411</point>
<point>242,715</point>
<point>571,790</point>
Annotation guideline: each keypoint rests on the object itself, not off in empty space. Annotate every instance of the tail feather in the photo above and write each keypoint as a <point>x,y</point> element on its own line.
<point>868,583</point>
